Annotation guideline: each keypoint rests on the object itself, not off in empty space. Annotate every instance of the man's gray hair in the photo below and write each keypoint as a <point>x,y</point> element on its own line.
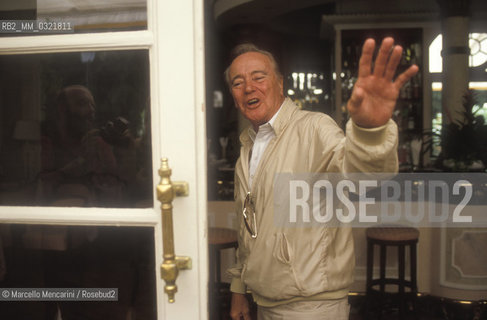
<point>249,47</point>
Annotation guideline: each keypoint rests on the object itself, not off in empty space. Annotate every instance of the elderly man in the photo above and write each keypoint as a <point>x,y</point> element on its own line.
<point>296,273</point>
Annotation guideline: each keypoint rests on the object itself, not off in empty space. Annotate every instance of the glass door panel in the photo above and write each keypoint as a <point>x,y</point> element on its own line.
<point>41,257</point>
<point>75,130</point>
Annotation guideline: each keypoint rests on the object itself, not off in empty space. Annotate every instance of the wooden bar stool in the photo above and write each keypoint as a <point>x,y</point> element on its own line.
<point>219,294</point>
<point>391,236</point>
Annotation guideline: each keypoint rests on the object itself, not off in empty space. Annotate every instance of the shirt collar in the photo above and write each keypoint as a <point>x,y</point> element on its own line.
<point>269,125</point>
<point>286,112</point>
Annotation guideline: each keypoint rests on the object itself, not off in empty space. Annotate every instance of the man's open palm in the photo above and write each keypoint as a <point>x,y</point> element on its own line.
<point>376,91</point>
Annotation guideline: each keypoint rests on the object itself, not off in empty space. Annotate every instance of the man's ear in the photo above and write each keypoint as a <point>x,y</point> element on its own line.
<point>281,85</point>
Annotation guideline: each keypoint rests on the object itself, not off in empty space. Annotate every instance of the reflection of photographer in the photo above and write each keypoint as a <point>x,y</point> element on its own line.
<point>82,165</point>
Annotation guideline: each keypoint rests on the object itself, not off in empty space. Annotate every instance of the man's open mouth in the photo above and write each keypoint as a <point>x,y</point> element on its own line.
<point>253,101</point>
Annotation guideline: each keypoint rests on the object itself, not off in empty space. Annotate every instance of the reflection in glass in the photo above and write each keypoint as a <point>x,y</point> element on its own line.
<point>83,16</point>
<point>35,256</point>
<point>75,130</point>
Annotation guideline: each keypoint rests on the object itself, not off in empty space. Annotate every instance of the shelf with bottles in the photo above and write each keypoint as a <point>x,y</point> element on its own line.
<point>352,42</point>
<point>310,90</point>
<point>409,108</point>
<point>410,126</point>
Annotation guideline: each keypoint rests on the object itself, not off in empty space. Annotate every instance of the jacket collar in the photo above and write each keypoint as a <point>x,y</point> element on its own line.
<point>286,112</point>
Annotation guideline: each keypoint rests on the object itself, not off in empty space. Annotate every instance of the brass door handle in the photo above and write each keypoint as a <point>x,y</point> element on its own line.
<point>166,191</point>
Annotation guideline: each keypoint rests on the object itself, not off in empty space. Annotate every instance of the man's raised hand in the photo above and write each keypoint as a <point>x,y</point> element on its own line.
<point>376,91</point>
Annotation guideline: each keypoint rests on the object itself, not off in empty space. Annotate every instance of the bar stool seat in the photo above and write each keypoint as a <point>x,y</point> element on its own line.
<point>384,237</point>
<point>218,240</point>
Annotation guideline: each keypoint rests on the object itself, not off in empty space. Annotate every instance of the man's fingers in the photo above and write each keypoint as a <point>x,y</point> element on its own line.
<point>393,63</point>
<point>405,76</point>
<point>240,316</point>
<point>246,316</point>
<point>383,56</point>
<point>365,63</point>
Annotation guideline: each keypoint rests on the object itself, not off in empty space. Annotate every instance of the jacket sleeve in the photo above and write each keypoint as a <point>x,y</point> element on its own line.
<point>360,150</point>
<point>237,285</point>
<point>371,150</point>
<point>235,272</point>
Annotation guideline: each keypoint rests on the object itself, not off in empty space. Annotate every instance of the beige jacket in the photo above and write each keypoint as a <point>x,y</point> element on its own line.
<point>288,264</point>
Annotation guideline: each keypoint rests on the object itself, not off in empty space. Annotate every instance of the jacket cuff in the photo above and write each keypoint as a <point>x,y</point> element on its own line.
<point>369,136</point>
<point>237,286</point>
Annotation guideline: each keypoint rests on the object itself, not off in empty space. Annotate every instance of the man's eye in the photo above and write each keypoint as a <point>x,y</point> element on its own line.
<point>236,84</point>
<point>259,78</point>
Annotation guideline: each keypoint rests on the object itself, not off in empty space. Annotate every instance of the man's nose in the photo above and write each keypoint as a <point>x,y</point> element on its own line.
<point>249,87</point>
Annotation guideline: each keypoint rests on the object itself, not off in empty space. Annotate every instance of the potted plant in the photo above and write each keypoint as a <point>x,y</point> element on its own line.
<point>464,146</point>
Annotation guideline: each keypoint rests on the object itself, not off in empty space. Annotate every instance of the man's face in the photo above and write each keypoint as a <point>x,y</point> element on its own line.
<point>81,111</point>
<point>256,89</point>
<point>81,104</point>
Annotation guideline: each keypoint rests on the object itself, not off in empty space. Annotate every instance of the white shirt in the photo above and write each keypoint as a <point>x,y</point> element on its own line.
<point>264,135</point>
